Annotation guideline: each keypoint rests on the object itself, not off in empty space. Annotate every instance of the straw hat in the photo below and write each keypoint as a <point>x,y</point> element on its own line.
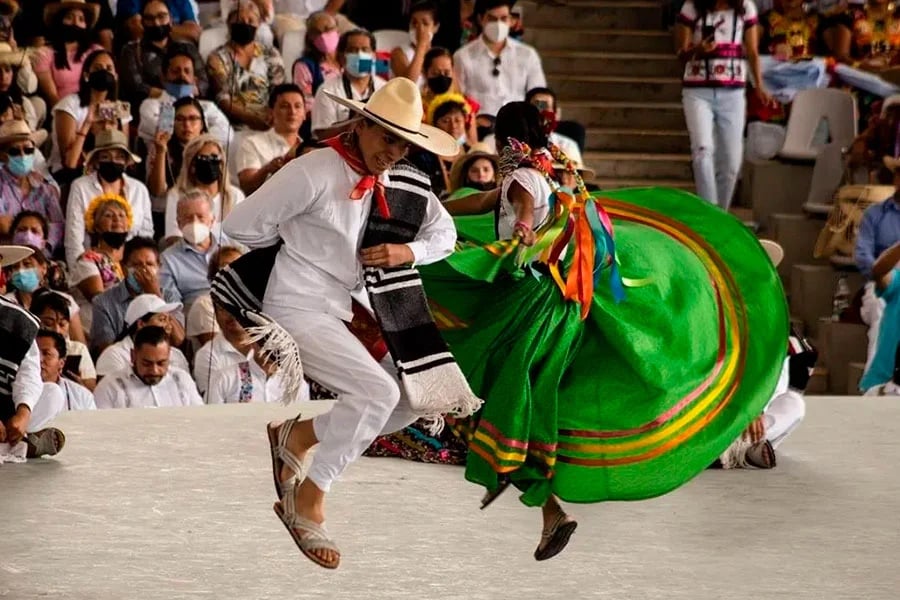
<point>587,174</point>
<point>14,131</point>
<point>10,255</point>
<point>8,56</point>
<point>91,11</point>
<point>111,139</point>
<point>398,108</point>
<point>461,166</point>
<point>775,251</point>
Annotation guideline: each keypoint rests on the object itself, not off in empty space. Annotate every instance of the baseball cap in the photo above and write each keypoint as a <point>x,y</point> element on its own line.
<point>147,303</point>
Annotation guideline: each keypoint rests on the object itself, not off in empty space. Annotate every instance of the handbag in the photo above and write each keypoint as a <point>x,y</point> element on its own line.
<point>838,236</point>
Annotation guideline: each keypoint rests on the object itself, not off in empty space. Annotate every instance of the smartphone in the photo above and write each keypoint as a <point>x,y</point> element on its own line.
<point>107,111</point>
<point>73,364</point>
<point>166,123</point>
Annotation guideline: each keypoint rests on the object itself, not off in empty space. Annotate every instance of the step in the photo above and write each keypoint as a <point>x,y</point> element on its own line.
<point>598,15</point>
<point>637,114</point>
<point>640,165</point>
<point>603,40</point>
<point>855,372</point>
<point>846,343</point>
<point>797,236</point>
<point>612,139</point>
<point>615,87</point>
<point>643,64</point>
<point>612,183</point>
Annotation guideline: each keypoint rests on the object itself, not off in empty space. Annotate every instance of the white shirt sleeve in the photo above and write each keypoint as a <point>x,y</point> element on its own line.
<point>250,156</point>
<point>107,394</point>
<point>188,387</point>
<point>459,69</point>
<point>149,115</point>
<point>220,385</point>
<point>86,369</point>
<point>325,111</point>
<point>112,360</point>
<point>217,123</point>
<point>28,386</point>
<point>535,71</point>
<point>81,270</point>
<point>436,237</point>
<point>75,234</point>
<point>26,79</point>
<point>139,198</point>
<point>172,229</point>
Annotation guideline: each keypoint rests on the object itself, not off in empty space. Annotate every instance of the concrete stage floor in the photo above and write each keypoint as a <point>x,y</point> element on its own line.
<point>177,504</point>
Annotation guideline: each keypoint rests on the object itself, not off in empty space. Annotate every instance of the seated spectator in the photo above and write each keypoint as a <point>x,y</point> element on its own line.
<point>875,38</point>
<point>201,319</point>
<point>264,33</point>
<point>292,15</point>
<point>31,29</point>
<point>251,380</point>
<point>182,17</point>
<point>789,32</point>
<point>228,348</point>
<point>52,347</point>
<point>409,60</point>
<point>141,260</point>
<point>22,187</point>
<point>149,381</point>
<point>141,61</point>
<point>79,117</point>
<point>439,80</point>
<point>879,139</point>
<point>478,170</point>
<point>494,69</point>
<point>263,153</point>
<point>448,113</point>
<point>203,168</point>
<point>545,101</point>
<point>567,180</point>
<point>882,368</point>
<point>835,28</point>
<point>106,165</point>
<point>30,229</point>
<point>17,79</point>
<point>26,280</point>
<point>242,71</point>
<point>146,310</point>
<point>58,66</point>
<point>319,61</point>
<point>53,312</point>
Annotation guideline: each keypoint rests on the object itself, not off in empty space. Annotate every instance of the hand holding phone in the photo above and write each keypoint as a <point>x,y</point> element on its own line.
<point>107,111</point>
<point>72,364</point>
<point>166,123</point>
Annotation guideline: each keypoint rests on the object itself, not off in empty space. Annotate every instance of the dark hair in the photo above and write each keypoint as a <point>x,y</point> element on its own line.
<point>482,6</point>
<point>704,7</point>
<point>146,3</point>
<point>60,56</point>
<point>58,340</point>
<point>446,108</point>
<point>190,100</point>
<point>522,121</point>
<point>6,102</point>
<point>280,90</point>
<point>345,39</point>
<point>309,49</point>
<point>53,301</point>
<point>426,6</point>
<point>540,91</point>
<point>14,92</point>
<point>139,243</point>
<point>214,260</point>
<point>174,50</point>
<point>17,220</point>
<point>151,335</point>
<point>431,55</point>
<point>84,88</point>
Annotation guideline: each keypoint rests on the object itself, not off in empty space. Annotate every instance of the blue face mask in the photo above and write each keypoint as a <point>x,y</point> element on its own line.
<point>26,280</point>
<point>179,90</point>
<point>133,283</point>
<point>360,64</point>
<point>20,166</point>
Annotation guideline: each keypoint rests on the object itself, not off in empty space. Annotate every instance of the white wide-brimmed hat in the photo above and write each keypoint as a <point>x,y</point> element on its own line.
<point>111,139</point>
<point>774,250</point>
<point>14,131</point>
<point>398,108</point>
<point>10,255</point>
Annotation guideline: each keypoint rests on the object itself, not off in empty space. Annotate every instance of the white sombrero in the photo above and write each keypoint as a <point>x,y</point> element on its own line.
<point>774,250</point>
<point>398,108</point>
<point>10,255</point>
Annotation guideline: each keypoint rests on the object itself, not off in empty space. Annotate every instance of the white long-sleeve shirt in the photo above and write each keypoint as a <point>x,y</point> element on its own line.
<point>518,71</point>
<point>247,382</point>
<point>125,390</point>
<point>307,204</point>
<point>28,385</point>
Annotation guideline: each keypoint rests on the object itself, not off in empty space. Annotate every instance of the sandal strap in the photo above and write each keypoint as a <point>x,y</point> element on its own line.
<point>314,537</point>
<point>735,456</point>
<point>286,456</point>
<point>549,532</point>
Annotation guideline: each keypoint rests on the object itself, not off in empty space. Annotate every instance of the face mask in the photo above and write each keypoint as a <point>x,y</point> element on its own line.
<point>496,31</point>
<point>110,171</point>
<point>414,36</point>
<point>461,140</point>
<point>179,90</point>
<point>439,84</point>
<point>195,233</point>
<point>242,33</point>
<point>360,64</point>
<point>20,166</point>
<point>114,239</point>
<point>133,282</point>
<point>102,81</point>
<point>327,42</point>
<point>28,238</point>
<point>72,33</point>
<point>207,171</point>
<point>157,33</point>
<point>26,280</point>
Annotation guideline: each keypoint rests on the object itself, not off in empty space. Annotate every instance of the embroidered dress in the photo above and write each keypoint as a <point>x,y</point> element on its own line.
<point>787,38</point>
<point>94,262</point>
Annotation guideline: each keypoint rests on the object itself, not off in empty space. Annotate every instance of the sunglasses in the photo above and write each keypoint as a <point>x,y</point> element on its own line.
<point>496,71</point>
<point>20,151</point>
<point>210,158</point>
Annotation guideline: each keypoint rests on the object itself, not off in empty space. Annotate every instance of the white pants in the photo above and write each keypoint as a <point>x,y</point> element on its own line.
<point>370,401</point>
<point>785,410</point>
<point>871,311</point>
<point>52,403</point>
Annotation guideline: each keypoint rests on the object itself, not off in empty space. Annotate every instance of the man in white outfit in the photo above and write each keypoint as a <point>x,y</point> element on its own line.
<point>319,206</point>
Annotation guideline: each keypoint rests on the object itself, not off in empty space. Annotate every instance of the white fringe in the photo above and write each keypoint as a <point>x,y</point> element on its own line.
<point>438,391</point>
<point>280,348</point>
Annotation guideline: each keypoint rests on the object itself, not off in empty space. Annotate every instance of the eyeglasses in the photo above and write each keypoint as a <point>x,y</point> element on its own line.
<point>19,151</point>
<point>496,71</point>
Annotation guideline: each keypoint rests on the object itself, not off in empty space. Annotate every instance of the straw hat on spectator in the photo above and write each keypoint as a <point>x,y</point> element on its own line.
<point>10,255</point>
<point>108,140</point>
<point>8,56</point>
<point>91,11</point>
<point>587,174</point>
<point>15,131</point>
<point>461,166</point>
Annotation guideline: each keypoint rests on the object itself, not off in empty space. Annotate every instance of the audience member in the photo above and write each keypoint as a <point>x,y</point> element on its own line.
<point>30,228</point>
<point>789,32</point>
<point>22,187</point>
<point>53,312</point>
<point>409,60</point>
<point>878,140</point>
<point>875,38</point>
<point>31,29</point>
<point>494,69</point>
<point>440,80</point>
<point>182,17</point>
<point>319,61</point>
<point>567,180</point>
<point>54,354</point>
<point>477,170</point>
<point>449,113</point>
<point>835,28</point>
<point>882,366</point>
<point>58,66</point>
<point>201,323</point>
<point>242,71</point>
<point>251,380</point>
<point>106,165</point>
<point>203,168</point>
<point>141,260</point>
<point>545,101</point>
<point>356,53</point>
<point>166,153</point>
<point>150,381</point>
<point>142,61</point>
<point>17,79</point>
<point>263,153</point>
<point>291,15</point>
<point>228,348</point>
<point>146,310</point>
<point>79,117</point>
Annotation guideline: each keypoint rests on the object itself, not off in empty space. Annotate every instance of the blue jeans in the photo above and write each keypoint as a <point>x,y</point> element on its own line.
<point>715,121</point>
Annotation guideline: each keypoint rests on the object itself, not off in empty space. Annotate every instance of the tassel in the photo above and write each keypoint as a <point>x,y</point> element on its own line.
<point>279,347</point>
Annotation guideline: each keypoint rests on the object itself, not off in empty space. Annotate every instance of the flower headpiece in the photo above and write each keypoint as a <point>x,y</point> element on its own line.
<point>97,202</point>
<point>442,99</point>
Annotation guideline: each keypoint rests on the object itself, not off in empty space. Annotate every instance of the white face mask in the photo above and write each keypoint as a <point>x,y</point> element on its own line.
<point>195,233</point>
<point>496,31</point>
<point>414,36</point>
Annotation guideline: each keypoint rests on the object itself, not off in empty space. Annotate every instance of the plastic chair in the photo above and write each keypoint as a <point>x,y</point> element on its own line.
<point>292,45</point>
<point>809,108</point>
<point>212,38</point>
<point>828,173</point>
<point>388,39</point>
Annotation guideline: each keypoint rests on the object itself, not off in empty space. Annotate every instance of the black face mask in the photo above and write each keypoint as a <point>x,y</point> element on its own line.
<point>157,33</point>
<point>102,81</point>
<point>110,171</point>
<point>113,239</point>
<point>439,84</point>
<point>241,33</point>
<point>72,33</point>
<point>482,186</point>
<point>207,171</point>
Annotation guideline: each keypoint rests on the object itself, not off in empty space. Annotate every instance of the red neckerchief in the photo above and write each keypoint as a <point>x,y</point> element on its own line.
<point>368,181</point>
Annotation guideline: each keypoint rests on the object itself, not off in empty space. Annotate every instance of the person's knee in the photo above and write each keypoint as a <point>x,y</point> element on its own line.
<point>383,390</point>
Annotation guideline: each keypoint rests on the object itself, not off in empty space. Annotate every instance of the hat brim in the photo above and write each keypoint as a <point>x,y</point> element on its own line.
<point>14,58</point>
<point>774,250</point>
<point>18,137</point>
<point>462,164</point>
<point>586,173</point>
<point>91,11</point>
<point>10,255</point>
<point>427,137</point>
<point>163,309</point>
<point>134,157</point>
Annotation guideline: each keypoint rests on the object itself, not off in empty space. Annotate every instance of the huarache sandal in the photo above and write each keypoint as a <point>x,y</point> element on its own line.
<point>308,536</point>
<point>555,538</point>
<point>761,455</point>
<point>46,442</point>
<point>490,496</point>
<point>281,456</point>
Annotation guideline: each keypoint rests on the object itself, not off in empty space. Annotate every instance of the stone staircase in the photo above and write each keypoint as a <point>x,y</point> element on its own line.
<point>613,68</point>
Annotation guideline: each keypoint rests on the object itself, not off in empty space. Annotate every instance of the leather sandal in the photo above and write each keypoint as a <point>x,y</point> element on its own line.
<point>278,437</point>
